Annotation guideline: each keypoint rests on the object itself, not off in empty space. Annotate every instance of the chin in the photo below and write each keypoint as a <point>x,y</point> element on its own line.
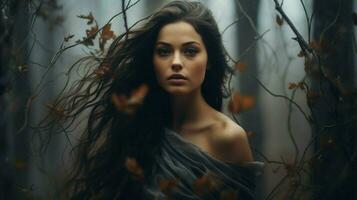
<point>177,91</point>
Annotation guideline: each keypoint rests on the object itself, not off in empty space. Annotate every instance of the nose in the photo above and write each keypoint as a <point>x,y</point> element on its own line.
<point>176,62</point>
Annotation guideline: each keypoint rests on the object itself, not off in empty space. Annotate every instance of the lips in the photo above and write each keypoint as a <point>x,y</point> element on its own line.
<point>177,76</point>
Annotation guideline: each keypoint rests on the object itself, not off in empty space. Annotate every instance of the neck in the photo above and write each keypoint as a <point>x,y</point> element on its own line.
<point>188,109</point>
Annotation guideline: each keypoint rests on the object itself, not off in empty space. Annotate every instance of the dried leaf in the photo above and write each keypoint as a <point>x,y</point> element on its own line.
<point>67,38</point>
<point>239,103</point>
<point>229,194</point>
<point>20,164</point>
<point>310,65</point>
<point>133,167</point>
<point>292,86</point>
<point>58,111</point>
<point>130,104</point>
<point>89,17</point>
<point>241,66</point>
<point>166,186</point>
<point>301,54</point>
<point>120,102</point>
<point>87,41</point>
<point>92,33</point>
<point>300,85</point>
<point>207,183</point>
<point>102,70</point>
<point>279,20</point>
<point>315,45</point>
<point>106,35</point>
<point>139,94</point>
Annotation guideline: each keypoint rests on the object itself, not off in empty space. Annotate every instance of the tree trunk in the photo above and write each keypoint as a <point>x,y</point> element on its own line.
<point>335,172</point>
<point>251,119</point>
<point>14,92</point>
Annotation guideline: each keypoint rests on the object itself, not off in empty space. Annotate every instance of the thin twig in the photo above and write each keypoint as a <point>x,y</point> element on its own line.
<point>300,39</point>
<point>230,25</point>
<point>125,18</point>
<point>284,97</point>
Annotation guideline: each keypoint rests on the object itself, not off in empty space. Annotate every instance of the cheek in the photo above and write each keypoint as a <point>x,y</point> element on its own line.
<point>200,70</point>
<point>199,73</point>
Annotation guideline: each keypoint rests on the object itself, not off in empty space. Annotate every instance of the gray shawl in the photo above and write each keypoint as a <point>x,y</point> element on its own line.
<point>184,171</point>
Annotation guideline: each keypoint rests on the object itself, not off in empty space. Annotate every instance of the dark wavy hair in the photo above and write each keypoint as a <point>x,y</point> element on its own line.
<point>111,136</point>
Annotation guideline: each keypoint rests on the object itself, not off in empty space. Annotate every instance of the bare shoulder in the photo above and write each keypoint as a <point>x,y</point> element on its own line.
<point>236,140</point>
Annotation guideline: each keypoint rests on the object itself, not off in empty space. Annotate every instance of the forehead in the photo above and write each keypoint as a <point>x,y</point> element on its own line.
<point>178,32</point>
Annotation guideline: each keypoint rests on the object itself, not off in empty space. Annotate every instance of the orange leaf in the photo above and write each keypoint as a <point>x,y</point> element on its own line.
<point>107,34</point>
<point>239,103</point>
<point>241,66</point>
<point>166,186</point>
<point>208,182</point>
<point>133,166</point>
<point>91,33</point>
<point>138,95</point>
<point>102,70</point>
<point>130,104</point>
<point>300,85</point>
<point>292,86</point>
<point>120,102</point>
<point>89,17</point>
<point>315,45</point>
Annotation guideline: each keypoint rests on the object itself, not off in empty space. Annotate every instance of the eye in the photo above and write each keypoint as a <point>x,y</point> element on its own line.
<point>162,51</point>
<point>190,51</point>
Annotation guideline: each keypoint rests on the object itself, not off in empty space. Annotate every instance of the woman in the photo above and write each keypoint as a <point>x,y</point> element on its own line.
<point>155,130</point>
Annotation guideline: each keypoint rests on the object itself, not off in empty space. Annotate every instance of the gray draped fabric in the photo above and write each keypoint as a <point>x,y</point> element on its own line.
<point>184,171</point>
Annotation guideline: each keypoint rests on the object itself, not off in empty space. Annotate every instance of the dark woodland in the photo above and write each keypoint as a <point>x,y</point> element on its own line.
<point>320,163</point>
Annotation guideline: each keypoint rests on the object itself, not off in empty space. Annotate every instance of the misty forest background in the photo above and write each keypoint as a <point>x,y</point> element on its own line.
<point>295,87</point>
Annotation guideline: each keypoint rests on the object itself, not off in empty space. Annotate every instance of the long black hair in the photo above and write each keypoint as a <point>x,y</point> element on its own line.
<point>111,137</point>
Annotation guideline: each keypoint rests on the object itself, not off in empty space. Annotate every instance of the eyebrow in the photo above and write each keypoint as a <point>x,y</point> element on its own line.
<point>184,44</point>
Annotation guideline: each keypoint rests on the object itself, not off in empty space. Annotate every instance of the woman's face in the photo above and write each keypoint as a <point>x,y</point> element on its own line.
<point>180,59</point>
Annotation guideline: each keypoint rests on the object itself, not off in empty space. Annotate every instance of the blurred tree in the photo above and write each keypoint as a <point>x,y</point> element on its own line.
<point>335,173</point>
<point>247,33</point>
<point>14,92</point>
